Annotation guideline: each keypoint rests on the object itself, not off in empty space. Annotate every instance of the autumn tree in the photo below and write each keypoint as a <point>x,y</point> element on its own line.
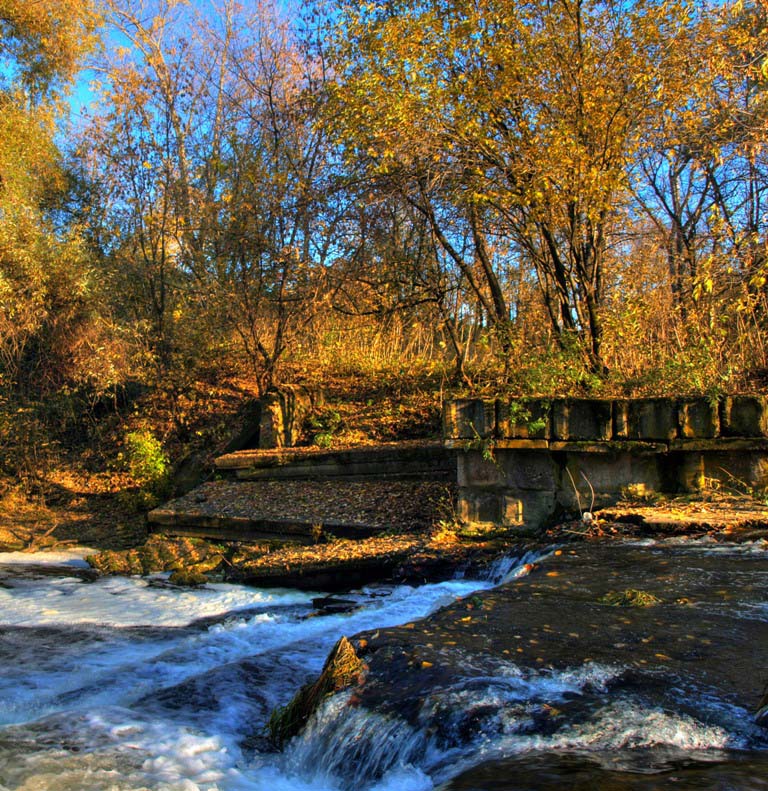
<point>219,183</point>
<point>42,43</point>
<point>45,280</point>
<point>522,117</point>
<point>700,175</point>
<point>282,222</point>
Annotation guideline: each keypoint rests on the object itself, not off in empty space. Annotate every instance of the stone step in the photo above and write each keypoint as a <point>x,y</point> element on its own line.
<point>402,461</point>
<point>301,511</point>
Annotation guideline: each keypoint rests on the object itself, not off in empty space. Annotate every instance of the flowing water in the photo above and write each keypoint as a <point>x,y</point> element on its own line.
<point>127,683</point>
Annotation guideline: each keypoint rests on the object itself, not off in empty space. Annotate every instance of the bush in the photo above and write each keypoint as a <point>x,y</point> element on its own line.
<point>148,464</point>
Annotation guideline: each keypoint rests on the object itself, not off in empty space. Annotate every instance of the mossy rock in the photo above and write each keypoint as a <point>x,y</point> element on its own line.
<point>114,562</point>
<point>342,669</point>
<point>159,554</point>
<point>190,578</point>
<point>630,598</point>
<point>245,553</point>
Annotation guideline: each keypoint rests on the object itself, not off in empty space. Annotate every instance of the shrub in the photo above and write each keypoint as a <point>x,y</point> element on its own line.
<point>148,464</point>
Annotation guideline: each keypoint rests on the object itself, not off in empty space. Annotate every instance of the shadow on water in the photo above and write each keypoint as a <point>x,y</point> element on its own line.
<point>643,770</point>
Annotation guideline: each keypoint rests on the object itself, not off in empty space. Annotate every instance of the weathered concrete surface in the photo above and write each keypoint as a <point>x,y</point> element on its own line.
<point>698,418</point>
<point>524,418</point>
<point>582,419</point>
<point>604,420</point>
<point>470,419</point>
<point>275,420</point>
<point>543,460</point>
<point>302,510</point>
<point>744,416</point>
<point>425,461</point>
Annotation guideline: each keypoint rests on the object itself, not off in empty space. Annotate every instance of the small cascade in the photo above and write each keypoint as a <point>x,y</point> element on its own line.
<point>513,713</point>
<point>511,566</point>
<point>125,683</point>
<point>351,748</point>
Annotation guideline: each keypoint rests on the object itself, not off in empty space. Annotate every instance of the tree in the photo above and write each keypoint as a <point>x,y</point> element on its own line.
<point>44,274</point>
<point>522,117</point>
<point>42,43</point>
<point>220,183</point>
<point>700,176</point>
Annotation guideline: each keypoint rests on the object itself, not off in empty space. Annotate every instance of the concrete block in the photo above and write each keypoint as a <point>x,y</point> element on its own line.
<point>690,470</point>
<point>527,469</point>
<point>512,510</point>
<point>474,470</point>
<point>469,418</point>
<point>248,436</point>
<point>523,418</point>
<point>744,416</point>
<point>607,474</point>
<point>296,402</point>
<point>698,418</point>
<point>530,510</point>
<point>737,471</point>
<point>652,419</point>
<point>582,419</point>
<point>271,425</point>
<point>621,419</point>
<point>480,506</point>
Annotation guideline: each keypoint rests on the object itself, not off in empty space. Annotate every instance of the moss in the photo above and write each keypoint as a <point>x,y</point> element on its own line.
<point>630,598</point>
<point>188,578</point>
<point>159,554</point>
<point>342,669</point>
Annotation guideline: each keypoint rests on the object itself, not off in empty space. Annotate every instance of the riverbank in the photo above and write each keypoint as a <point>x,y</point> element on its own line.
<point>416,535</point>
<point>551,670</point>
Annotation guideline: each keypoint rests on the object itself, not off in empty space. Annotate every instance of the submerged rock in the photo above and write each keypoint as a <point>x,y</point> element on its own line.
<point>333,604</point>
<point>188,578</point>
<point>342,669</point>
<point>630,598</point>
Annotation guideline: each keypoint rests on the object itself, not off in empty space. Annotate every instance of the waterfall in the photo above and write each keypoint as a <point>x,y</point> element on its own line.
<point>511,566</point>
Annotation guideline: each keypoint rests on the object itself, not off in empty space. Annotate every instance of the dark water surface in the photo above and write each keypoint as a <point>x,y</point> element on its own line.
<point>718,771</point>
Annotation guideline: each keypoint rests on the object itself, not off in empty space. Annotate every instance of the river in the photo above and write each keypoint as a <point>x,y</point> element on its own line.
<point>128,683</point>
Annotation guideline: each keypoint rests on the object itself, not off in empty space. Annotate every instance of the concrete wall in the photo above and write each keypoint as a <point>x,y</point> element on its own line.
<point>525,462</point>
<point>275,420</point>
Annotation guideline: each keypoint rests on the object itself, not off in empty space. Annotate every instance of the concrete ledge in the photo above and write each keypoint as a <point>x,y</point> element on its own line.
<point>721,444</point>
<point>636,447</point>
<point>238,528</point>
<point>589,451</point>
<point>492,445</point>
<point>605,420</point>
<point>432,461</point>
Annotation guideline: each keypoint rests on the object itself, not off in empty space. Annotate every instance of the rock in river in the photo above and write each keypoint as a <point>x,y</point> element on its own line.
<point>548,662</point>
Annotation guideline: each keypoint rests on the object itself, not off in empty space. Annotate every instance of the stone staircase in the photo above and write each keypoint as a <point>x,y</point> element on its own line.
<point>301,495</point>
<point>394,461</point>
